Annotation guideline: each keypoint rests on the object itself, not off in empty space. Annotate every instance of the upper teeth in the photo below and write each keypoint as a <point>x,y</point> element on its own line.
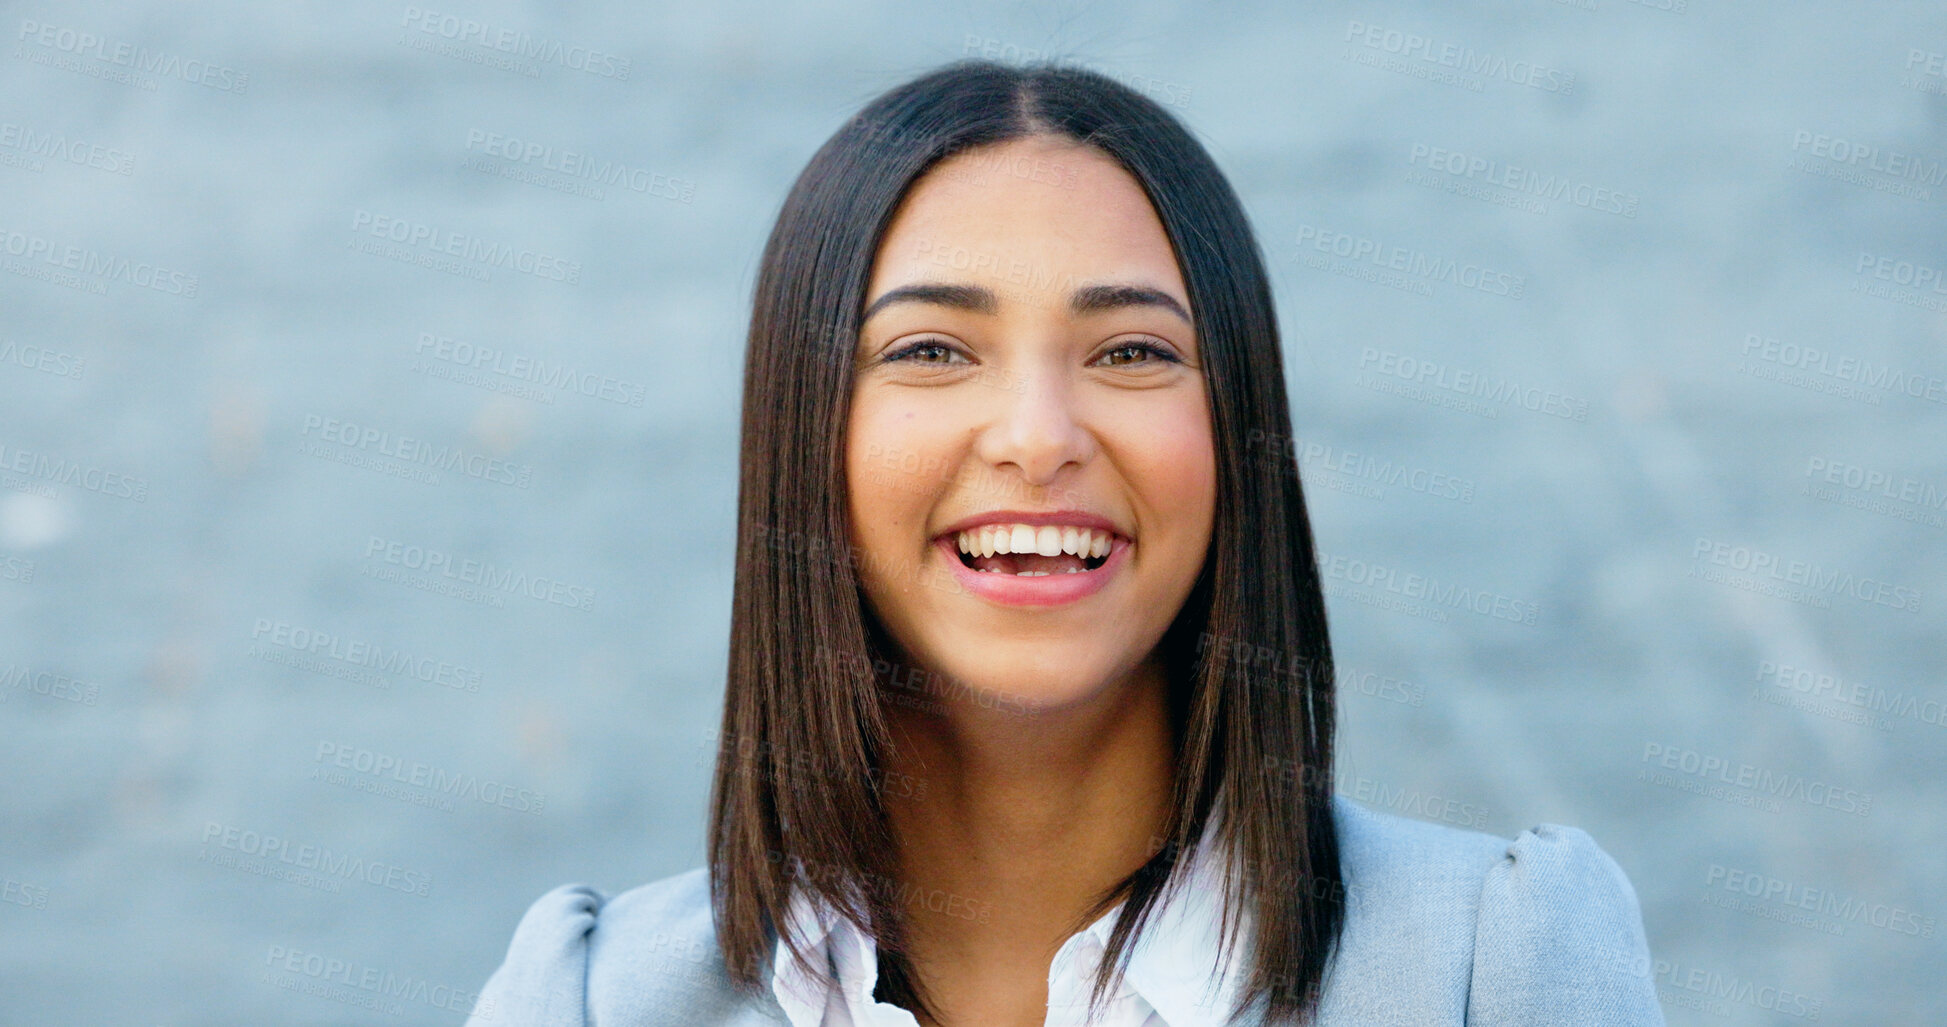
<point>1047,539</point>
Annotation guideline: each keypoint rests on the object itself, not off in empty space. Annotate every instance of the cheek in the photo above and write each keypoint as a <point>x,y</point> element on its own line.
<point>866,478</point>
<point>892,472</point>
<point>1171,457</point>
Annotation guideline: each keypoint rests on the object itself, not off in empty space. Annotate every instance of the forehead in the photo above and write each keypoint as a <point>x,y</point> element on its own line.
<point>1035,216</point>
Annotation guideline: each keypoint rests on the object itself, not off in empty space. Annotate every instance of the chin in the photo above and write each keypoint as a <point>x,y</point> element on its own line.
<point>1025,681</point>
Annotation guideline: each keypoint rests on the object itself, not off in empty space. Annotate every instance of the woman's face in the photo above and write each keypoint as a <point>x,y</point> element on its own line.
<point>1030,388</point>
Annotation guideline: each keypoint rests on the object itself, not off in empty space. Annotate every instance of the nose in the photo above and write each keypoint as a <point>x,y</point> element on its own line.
<point>1036,428</point>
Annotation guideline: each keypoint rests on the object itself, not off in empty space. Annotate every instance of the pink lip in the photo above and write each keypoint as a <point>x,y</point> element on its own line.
<point>1047,590</point>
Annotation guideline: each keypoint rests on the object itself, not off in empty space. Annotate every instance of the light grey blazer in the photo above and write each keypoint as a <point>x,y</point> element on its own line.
<point>1443,926</point>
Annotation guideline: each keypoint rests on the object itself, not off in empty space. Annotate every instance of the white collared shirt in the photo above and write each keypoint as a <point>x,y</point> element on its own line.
<point>1172,978</point>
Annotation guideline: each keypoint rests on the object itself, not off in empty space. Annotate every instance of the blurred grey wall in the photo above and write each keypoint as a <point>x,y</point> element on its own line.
<point>368,397</point>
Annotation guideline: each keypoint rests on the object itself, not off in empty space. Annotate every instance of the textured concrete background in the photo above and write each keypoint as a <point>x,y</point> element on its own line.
<point>1674,429</point>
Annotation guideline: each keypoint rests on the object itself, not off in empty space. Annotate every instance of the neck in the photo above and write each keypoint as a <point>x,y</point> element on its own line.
<point>1027,818</point>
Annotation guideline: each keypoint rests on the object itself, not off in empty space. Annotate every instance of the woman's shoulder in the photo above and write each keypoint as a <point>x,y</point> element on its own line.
<point>579,956</point>
<point>1538,929</point>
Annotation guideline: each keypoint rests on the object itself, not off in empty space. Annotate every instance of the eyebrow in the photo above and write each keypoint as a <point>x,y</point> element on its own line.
<point>1088,299</point>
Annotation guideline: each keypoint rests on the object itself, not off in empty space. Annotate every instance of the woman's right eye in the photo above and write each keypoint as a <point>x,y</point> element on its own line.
<point>925,351</point>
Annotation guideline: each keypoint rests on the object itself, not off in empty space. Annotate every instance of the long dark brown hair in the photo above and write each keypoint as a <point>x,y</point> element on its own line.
<point>1248,656</point>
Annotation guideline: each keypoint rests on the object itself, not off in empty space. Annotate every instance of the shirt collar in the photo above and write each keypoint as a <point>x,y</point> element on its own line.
<point>1178,966</point>
<point>1174,966</point>
<point>804,996</point>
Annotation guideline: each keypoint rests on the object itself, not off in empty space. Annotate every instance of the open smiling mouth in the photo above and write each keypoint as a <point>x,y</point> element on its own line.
<point>1028,551</point>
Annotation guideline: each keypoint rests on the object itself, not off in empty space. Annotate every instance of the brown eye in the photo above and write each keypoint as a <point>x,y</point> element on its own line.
<point>1137,352</point>
<point>925,351</point>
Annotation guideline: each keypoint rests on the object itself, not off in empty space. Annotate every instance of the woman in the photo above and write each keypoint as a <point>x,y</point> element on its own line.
<point>1030,700</point>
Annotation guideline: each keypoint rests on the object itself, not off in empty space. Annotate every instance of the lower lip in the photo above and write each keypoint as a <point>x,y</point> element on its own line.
<point>1040,590</point>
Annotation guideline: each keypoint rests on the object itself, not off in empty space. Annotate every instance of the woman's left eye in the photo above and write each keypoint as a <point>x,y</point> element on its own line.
<point>1141,348</point>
